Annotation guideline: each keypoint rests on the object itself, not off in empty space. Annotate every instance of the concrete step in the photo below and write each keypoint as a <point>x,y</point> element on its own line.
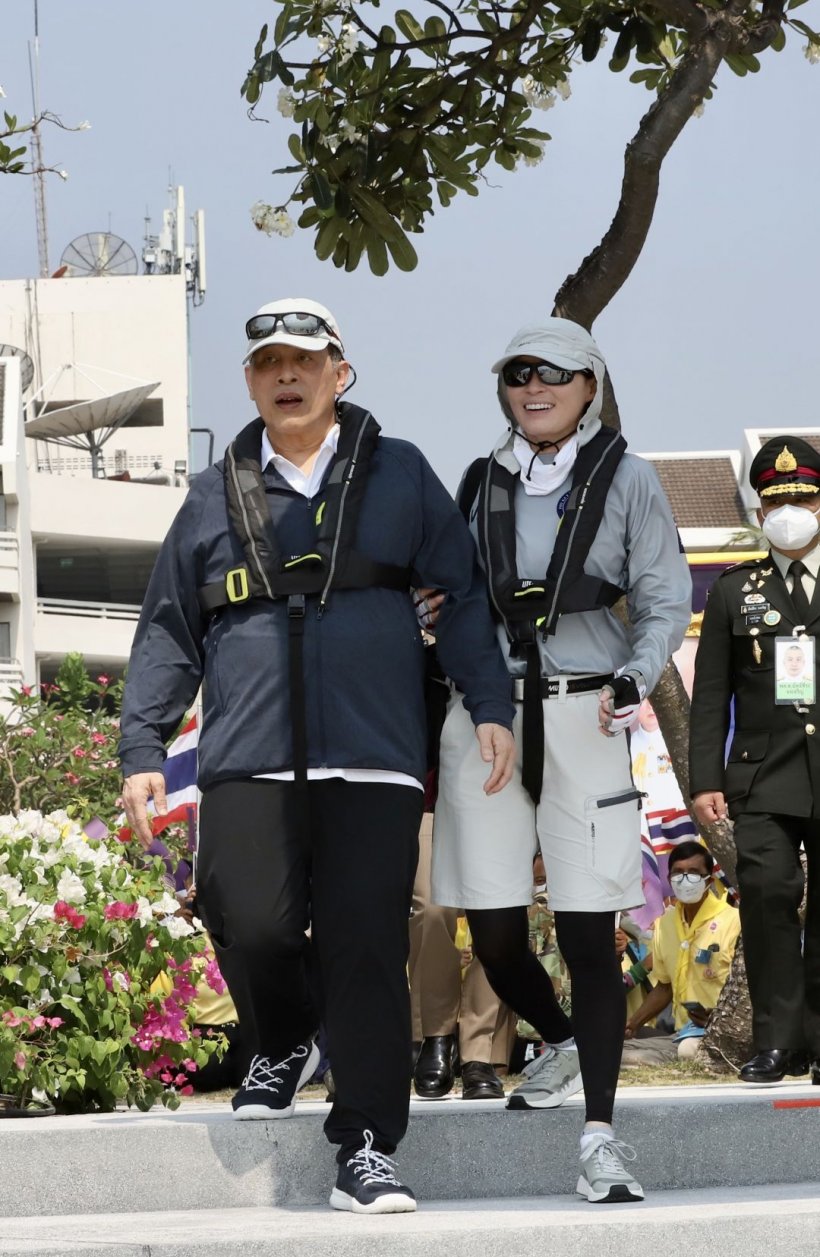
<point>722,1135</point>
<point>735,1222</point>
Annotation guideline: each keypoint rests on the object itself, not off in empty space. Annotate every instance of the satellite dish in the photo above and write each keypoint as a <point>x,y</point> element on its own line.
<point>26,365</point>
<point>99,253</point>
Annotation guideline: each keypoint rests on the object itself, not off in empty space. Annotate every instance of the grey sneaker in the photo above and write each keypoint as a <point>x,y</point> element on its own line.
<point>550,1079</point>
<point>604,1178</point>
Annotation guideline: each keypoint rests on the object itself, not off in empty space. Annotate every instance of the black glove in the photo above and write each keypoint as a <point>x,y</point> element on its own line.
<point>618,705</point>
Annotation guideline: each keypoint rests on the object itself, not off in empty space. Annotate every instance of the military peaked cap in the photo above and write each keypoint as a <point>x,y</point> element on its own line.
<point>786,464</point>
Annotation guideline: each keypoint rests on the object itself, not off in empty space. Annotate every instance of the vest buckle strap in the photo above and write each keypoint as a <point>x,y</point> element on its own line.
<point>236,585</point>
<point>296,606</point>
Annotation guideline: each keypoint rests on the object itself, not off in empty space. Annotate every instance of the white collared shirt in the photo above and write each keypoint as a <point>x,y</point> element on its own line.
<point>308,485</point>
<point>809,578</point>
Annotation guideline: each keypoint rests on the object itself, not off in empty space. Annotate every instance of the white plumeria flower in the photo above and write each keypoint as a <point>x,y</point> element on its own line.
<point>2,93</point>
<point>697,112</point>
<point>84,126</point>
<point>286,102</point>
<point>536,95</point>
<point>324,43</point>
<point>177,927</point>
<point>70,887</point>
<point>812,52</point>
<point>348,132</point>
<point>532,159</point>
<point>349,43</point>
<point>563,89</point>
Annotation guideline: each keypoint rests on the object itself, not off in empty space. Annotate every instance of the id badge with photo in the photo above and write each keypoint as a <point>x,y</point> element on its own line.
<point>794,673</point>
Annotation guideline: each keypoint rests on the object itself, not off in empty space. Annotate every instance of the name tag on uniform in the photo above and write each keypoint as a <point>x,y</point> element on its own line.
<point>794,679</point>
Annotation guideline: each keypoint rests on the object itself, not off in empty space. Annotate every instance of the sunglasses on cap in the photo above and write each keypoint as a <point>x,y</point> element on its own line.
<point>295,324</point>
<point>516,373</point>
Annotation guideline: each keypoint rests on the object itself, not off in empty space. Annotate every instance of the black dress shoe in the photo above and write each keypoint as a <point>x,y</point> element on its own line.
<point>814,1070</point>
<point>434,1074</point>
<point>479,1081</point>
<point>774,1065</point>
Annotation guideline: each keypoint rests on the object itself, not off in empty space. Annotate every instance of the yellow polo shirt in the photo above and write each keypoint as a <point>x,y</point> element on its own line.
<point>680,953</point>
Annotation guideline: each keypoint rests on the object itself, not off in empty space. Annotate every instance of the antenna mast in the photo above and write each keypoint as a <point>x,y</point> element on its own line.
<point>37,153</point>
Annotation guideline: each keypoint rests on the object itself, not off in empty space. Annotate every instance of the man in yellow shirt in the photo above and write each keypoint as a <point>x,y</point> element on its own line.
<point>693,946</point>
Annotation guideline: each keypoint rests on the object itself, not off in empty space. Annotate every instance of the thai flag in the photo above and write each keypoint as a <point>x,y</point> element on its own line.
<point>180,780</point>
<point>181,792</point>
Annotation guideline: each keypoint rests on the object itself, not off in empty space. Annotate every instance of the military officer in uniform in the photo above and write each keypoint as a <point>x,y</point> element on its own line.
<point>770,786</point>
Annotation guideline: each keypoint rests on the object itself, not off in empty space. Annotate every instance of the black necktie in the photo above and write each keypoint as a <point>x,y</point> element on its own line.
<point>799,599</point>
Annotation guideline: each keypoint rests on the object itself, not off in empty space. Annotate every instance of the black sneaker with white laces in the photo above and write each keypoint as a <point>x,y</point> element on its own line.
<point>367,1183</point>
<point>269,1089</point>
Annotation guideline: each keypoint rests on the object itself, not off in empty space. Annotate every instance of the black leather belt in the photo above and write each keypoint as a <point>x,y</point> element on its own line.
<point>551,686</point>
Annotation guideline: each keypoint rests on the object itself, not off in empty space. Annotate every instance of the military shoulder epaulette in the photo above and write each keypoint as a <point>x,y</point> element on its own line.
<point>740,567</point>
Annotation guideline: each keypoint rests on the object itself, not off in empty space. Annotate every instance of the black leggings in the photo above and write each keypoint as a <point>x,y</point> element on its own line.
<point>586,940</point>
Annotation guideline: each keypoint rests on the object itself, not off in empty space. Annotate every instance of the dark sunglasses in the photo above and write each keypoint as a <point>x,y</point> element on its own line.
<point>295,324</point>
<point>516,373</point>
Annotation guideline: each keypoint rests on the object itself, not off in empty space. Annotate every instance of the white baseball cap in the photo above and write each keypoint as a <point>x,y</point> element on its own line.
<point>328,331</point>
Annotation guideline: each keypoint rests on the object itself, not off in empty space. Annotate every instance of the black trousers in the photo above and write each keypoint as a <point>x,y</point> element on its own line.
<point>784,978</point>
<point>340,858</point>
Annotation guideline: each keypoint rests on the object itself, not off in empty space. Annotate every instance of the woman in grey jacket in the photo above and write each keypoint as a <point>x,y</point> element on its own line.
<point>566,522</point>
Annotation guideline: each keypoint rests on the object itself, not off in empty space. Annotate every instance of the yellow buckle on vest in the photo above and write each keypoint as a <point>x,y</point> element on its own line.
<point>236,585</point>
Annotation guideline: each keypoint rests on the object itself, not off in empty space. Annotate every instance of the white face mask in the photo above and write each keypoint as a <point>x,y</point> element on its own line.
<point>790,527</point>
<point>688,887</point>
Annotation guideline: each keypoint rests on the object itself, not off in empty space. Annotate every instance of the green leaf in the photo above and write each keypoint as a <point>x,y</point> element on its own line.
<point>376,253</point>
<point>591,41</point>
<point>327,238</point>
<point>322,193</point>
<point>260,43</point>
<point>408,25</point>
<point>779,41</point>
<point>296,150</point>
<point>403,253</point>
<point>435,28</point>
<point>737,65</point>
<point>372,212</point>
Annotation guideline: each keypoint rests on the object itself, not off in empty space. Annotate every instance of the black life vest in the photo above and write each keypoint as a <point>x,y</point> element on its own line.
<point>530,605</point>
<point>332,563</point>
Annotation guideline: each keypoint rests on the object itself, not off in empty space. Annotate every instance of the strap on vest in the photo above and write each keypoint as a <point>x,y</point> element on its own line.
<point>528,607</point>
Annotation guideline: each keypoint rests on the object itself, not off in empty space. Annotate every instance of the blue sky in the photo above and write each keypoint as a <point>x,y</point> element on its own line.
<point>716,329</point>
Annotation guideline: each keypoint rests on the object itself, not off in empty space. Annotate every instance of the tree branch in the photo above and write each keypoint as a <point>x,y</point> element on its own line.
<point>585,294</point>
<point>683,13</point>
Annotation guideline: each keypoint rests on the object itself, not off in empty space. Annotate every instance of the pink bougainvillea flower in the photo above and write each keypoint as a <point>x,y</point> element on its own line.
<point>119,911</point>
<point>20,1060</point>
<point>71,778</point>
<point>63,911</point>
<point>99,738</point>
<point>186,1091</point>
<point>102,679</point>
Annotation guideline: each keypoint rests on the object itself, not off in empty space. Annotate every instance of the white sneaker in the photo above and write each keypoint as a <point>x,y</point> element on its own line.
<point>604,1178</point>
<point>550,1079</point>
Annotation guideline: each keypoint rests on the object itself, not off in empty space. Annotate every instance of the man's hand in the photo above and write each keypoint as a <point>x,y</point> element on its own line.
<point>710,806</point>
<point>618,705</point>
<point>427,604</point>
<point>137,790</point>
<point>497,748</point>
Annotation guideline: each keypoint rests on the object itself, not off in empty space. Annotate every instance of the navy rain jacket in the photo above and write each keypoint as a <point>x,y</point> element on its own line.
<point>364,666</point>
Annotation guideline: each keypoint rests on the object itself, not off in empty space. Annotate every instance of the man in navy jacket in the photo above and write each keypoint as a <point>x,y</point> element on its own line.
<point>312,750</point>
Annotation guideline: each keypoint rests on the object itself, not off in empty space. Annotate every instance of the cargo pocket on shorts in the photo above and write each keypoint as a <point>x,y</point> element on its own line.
<point>613,838</point>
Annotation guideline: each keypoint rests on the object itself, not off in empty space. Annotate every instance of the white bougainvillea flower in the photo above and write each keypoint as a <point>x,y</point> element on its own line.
<point>177,927</point>
<point>165,906</point>
<point>70,887</point>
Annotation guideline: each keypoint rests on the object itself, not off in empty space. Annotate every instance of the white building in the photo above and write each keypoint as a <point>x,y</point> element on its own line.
<point>77,548</point>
